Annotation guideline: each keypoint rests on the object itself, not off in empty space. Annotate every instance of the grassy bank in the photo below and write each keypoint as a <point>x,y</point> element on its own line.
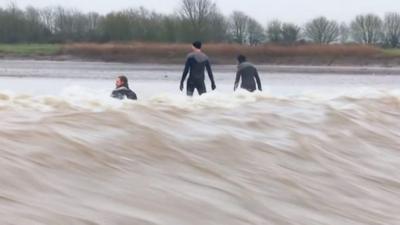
<point>358,55</point>
<point>226,53</point>
<point>391,52</point>
<point>30,49</point>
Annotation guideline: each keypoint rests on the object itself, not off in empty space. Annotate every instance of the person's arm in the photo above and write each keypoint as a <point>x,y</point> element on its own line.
<point>185,73</point>
<point>117,94</point>
<point>258,81</point>
<point>237,80</point>
<point>210,74</point>
<point>131,95</point>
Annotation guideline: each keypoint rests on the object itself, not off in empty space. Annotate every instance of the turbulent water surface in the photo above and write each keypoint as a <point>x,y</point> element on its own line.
<point>308,150</point>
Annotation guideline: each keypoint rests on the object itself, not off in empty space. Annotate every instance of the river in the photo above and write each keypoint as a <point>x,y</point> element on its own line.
<point>311,149</point>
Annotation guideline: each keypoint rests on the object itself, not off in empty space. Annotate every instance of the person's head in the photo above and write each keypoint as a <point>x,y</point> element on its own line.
<point>121,81</point>
<point>241,58</point>
<point>197,45</point>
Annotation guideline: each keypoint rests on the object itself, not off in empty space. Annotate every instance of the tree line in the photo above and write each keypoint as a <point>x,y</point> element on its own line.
<point>194,20</point>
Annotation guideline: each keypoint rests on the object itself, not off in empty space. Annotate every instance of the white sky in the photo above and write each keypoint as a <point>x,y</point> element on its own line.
<point>297,11</point>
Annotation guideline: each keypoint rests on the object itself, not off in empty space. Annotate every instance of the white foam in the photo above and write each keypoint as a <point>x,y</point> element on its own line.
<point>77,97</point>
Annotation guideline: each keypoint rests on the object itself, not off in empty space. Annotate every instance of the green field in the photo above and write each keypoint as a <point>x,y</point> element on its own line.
<point>30,49</point>
<point>391,52</point>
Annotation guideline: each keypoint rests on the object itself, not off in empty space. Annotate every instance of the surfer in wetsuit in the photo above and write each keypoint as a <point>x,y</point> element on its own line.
<point>122,89</point>
<point>249,75</point>
<point>196,63</point>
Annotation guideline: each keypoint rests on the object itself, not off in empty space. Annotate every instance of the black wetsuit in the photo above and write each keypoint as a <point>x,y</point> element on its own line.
<point>196,63</point>
<point>249,75</point>
<point>122,92</point>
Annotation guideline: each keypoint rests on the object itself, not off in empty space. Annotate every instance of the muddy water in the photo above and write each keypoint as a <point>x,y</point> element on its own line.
<point>309,150</point>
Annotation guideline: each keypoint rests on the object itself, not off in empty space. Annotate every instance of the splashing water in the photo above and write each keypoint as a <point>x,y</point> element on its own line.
<point>83,158</point>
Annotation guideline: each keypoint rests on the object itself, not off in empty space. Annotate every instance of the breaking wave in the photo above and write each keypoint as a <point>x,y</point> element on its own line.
<point>216,159</point>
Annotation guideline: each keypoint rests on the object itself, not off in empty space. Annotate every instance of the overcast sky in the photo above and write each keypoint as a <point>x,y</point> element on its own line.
<point>298,11</point>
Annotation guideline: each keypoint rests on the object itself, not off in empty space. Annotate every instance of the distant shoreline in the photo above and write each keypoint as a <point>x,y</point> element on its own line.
<point>263,68</point>
<point>333,59</point>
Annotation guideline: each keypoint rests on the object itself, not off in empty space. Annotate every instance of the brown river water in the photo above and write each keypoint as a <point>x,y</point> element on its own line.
<point>309,150</point>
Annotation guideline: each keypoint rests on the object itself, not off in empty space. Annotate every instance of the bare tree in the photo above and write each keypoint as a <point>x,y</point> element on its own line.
<point>47,17</point>
<point>322,31</point>
<point>62,22</point>
<point>274,31</point>
<point>197,13</point>
<point>344,31</point>
<point>367,29</point>
<point>392,29</point>
<point>238,23</point>
<point>218,30</point>
<point>116,26</point>
<point>255,32</point>
<point>32,15</point>
<point>36,30</point>
<point>170,29</point>
<point>12,28</point>
<point>94,19</point>
<point>196,19</point>
<point>290,33</point>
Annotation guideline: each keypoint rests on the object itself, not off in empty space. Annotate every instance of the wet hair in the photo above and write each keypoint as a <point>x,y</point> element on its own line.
<point>125,80</point>
<point>241,58</point>
<point>197,44</point>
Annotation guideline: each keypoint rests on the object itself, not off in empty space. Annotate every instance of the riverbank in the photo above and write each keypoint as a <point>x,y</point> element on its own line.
<point>313,55</point>
<point>337,59</point>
